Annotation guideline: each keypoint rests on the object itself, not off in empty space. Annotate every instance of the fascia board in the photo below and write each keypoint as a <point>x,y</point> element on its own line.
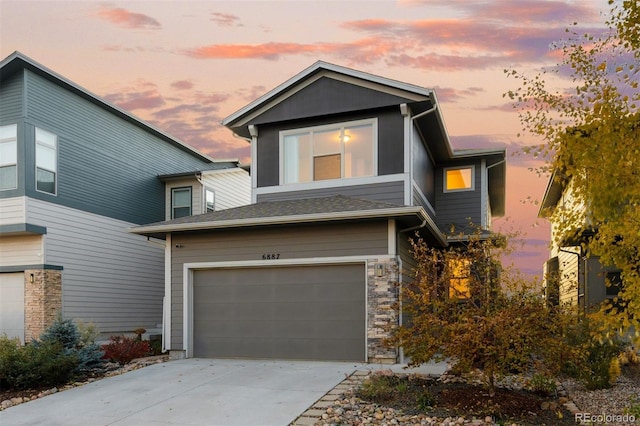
<point>280,220</point>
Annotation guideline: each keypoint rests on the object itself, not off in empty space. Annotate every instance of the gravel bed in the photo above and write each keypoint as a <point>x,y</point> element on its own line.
<point>613,402</point>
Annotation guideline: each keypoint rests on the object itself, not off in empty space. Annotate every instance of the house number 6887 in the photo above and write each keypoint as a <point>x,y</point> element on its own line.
<point>270,256</point>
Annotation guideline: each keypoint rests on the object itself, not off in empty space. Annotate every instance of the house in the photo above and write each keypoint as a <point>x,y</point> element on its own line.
<point>345,166</point>
<point>76,172</point>
<point>573,276</point>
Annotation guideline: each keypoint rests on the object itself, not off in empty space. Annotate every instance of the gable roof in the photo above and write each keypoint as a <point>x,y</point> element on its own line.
<point>17,61</point>
<point>308,210</point>
<point>313,73</point>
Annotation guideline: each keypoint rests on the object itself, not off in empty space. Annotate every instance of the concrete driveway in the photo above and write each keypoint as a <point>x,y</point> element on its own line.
<point>190,392</point>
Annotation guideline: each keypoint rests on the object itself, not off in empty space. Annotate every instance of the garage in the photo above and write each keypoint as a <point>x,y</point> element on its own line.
<point>314,312</point>
<point>12,305</point>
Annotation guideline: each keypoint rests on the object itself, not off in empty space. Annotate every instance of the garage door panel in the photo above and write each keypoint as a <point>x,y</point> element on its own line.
<point>301,312</point>
<point>12,305</point>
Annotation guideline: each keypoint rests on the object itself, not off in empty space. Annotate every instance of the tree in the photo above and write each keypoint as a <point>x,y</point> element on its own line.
<point>461,307</point>
<point>591,136</point>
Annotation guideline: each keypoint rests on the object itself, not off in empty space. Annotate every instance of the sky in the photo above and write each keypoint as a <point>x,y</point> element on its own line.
<point>184,66</point>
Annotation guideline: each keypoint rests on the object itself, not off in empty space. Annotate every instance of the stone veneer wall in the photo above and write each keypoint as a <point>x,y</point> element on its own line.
<point>42,300</point>
<point>382,314</point>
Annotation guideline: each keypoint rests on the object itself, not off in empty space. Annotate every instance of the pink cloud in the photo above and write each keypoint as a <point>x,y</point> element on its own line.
<point>127,19</point>
<point>144,96</point>
<point>225,19</point>
<point>182,85</point>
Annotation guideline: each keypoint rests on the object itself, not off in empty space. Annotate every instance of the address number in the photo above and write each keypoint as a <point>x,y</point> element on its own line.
<point>270,256</point>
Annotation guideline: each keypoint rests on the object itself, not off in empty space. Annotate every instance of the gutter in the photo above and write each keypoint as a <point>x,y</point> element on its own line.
<point>272,220</point>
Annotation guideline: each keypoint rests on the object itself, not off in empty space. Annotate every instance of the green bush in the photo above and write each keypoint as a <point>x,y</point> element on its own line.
<point>59,354</point>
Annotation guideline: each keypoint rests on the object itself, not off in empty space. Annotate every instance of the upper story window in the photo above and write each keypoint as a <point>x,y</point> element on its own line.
<point>459,179</point>
<point>8,157</point>
<point>180,202</point>
<point>209,200</point>
<point>337,151</point>
<point>46,161</point>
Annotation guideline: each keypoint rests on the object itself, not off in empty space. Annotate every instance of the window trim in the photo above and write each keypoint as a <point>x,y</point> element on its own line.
<point>181,188</point>
<point>13,139</point>
<point>205,209</point>
<point>473,178</point>
<point>55,148</point>
<point>340,126</point>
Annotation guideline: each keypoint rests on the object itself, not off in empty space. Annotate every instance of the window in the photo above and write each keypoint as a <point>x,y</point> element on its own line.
<point>8,157</point>
<point>328,152</point>
<point>209,200</point>
<point>46,161</point>
<point>458,179</point>
<point>459,281</point>
<point>180,202</point>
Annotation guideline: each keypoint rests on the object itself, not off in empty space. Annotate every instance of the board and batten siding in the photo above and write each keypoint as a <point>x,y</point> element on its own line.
<point>110,276</point>
<point>12,210</point>
<point>460,207</point>
<point>387,192</point>
<point>21,250</point>
<point>232,187</point>
<point>106,165</point>
<point>300,242</point>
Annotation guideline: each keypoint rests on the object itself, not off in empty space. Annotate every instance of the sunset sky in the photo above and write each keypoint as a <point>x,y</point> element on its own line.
<point>184,66</point>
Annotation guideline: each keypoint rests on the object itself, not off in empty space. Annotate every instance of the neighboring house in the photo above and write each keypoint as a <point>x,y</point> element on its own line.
<point>346,167</point>
<point>76,172</point>
<point>572,275</point>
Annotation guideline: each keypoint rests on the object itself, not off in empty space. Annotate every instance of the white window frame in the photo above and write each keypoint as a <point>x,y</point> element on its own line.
<point>55,148</point>
<point>173,205</point>
<point>473,178</point>
<point>337,126</point>
<point>205,208</point>
<point>13,138</point>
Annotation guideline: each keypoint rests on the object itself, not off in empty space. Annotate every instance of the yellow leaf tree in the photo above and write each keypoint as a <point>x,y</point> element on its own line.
<point>591,136</point>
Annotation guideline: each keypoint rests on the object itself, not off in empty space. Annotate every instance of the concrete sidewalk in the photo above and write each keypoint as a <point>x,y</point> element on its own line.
<point>194,392</point>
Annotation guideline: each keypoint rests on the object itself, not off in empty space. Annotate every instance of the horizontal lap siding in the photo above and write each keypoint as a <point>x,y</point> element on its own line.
<point>458,208</point>
<point>106,164</point>
<point>569,274</point>
<point>110,277</point>
<point>11,99</point>
<point>21,250</point>
<point>357,239</point>
<point>12,210</point>
<point>388,192</point>
<point>232,189</point>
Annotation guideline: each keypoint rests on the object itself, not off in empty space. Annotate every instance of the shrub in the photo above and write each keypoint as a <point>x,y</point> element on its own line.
<point>542,384</point>
<point>124,349</point>
<point>78,341</point>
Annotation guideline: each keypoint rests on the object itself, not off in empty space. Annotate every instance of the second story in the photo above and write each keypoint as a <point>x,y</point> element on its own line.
<point>331,130</point>
<point>61,144</point>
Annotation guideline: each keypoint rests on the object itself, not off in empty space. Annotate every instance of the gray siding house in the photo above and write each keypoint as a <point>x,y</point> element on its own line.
<point>76,172</point>
<point>346,167</point>
<point>573,276</point>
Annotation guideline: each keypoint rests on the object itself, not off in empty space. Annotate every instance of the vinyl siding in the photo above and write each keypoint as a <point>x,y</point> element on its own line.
<point>232,187</point>
<point>11,99</point>
<point>196,195</point>
<point>106,165</point>
<point>355,239</point>
<point>388,192</point>
<point>110,277</point>
<point>21,250</point>
<point>458,208</point>
<point>12,210</point>
<point>569,266</point>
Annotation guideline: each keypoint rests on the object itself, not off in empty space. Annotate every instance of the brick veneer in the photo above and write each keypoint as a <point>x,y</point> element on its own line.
<point>382,313</point>
<point>42,300</point>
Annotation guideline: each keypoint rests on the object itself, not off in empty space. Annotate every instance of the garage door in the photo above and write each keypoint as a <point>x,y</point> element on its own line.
<point>12,305</point>
<point>301,312</point>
